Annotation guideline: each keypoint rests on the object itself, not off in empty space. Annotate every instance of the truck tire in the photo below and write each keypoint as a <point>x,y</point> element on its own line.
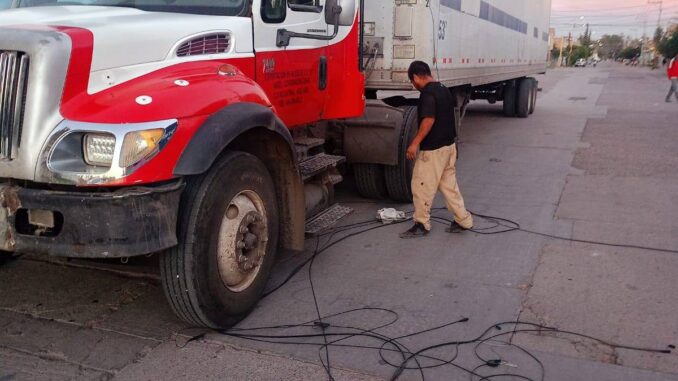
<point>6,257</point>
<point>509,96</point>
<point>524,97</point>
<point>370,180</point>
<point>399,178</point>
<point>228,236</point>
<point>535,90</point>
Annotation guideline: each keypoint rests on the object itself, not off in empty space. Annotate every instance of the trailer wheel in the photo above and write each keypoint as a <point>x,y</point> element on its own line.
<point>370,180</point>
<point>535,90</point>
<point>399,178</point>
<point>524,97</point>
<point>509,96</point>
<point>228,235</point>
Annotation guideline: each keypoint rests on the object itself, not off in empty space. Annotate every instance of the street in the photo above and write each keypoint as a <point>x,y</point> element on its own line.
<point>596,162</point>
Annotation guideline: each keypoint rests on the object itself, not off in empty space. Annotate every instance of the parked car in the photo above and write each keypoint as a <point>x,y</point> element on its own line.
<point>580,63</point>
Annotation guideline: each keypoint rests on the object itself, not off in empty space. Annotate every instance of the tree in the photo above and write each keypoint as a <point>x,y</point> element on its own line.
<point>585,39</point>
<point>658,34</point>
<point>555,53</point>
<point>668,46</point>
<point>581,52</point>
<point>610,46</point>
<point>630,52</point>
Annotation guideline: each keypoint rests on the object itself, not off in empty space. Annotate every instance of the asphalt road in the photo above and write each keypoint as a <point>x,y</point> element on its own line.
<point>597,162</point>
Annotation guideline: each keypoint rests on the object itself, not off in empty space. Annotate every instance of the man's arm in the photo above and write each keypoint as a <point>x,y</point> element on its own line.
<point>424,129</point>
<point>427,111</point>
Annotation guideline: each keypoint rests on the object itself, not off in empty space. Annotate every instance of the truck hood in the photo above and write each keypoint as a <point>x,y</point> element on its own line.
<point>128,36</point>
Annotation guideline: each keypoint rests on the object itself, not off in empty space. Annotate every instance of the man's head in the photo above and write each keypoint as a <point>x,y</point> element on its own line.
<point>419,74</point>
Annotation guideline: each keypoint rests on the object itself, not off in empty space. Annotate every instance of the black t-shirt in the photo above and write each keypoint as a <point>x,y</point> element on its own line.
<point>436,102</point>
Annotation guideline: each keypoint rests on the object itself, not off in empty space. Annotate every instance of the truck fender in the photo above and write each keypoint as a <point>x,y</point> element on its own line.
<point>222,128</point>
<point>255,129</point>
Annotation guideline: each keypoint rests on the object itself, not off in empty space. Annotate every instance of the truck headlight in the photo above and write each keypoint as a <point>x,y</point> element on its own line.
<point>140,145</point>
<point>99,149</point>
<point>86,153</point>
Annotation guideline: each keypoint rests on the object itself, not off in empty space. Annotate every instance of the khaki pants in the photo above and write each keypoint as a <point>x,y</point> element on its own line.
<point>433,171</point>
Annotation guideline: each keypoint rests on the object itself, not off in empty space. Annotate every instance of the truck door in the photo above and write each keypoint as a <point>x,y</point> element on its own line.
<point>295,76</point>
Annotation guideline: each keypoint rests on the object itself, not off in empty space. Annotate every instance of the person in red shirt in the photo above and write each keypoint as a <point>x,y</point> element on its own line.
<point>672,73</point>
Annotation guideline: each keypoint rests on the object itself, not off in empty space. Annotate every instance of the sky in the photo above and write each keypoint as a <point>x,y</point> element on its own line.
<point>630,17</point>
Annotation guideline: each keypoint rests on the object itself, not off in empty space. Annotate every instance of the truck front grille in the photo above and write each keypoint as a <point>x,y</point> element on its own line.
<point>13,82</point>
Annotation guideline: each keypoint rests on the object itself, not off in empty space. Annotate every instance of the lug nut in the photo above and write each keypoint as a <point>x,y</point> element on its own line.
<point>240,245</point>
<point>244,230</point>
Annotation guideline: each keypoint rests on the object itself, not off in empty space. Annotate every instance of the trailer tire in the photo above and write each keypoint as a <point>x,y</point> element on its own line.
<point>228,236</point>
<point>509,95</point>
<point>535,90</point>
<point>399,177</point>
<point>524,97</point>
<point>370,180</point>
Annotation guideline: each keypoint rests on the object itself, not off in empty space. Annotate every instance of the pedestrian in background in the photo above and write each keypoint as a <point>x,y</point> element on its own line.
<point>435,152</point>
<point>672,72</point>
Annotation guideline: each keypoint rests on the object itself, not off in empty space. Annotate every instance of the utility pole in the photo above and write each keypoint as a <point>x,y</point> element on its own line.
<point>655,60</point>
<point>661,10</point>
<point>569,43</point>
<point>642,40</point>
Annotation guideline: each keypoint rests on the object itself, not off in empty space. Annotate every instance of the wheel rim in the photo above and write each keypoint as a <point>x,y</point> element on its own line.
<point>243,240</point>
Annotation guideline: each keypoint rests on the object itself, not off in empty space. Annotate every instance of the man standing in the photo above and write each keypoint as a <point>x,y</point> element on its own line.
<point>672,73</point>
<point>435,152</point>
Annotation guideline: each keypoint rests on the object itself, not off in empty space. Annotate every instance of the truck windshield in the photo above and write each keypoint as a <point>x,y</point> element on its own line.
<point>200,7</point>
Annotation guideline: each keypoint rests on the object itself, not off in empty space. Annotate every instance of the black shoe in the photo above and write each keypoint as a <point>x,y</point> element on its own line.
<point>456,228</point>
<point>416,231</point>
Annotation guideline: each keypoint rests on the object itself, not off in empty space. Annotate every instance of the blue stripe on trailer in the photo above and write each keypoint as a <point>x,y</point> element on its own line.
<point>454,4</point>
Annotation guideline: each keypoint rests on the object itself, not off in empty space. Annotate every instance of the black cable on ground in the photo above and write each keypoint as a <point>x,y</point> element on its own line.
<point>342,333</point>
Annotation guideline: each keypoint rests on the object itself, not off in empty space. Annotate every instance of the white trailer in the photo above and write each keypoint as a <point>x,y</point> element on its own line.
<point>467,42</point>
<point>479,49</point>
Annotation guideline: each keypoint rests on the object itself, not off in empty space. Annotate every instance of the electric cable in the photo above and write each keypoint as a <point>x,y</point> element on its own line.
<point>338,336</point>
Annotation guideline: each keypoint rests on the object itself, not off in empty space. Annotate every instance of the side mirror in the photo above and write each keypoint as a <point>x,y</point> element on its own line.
<point>342,10</point>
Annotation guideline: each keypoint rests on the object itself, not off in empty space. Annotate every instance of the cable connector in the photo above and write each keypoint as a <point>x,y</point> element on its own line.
<point>321,324</point>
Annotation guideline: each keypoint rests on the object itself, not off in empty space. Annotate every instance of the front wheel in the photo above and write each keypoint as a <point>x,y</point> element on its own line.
<point>228,236</point>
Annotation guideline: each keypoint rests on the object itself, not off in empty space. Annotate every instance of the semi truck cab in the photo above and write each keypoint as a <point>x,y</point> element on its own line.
<point>129,128</point>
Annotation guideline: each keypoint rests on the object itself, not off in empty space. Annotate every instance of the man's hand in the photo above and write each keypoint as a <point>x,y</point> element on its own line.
<point>412,151</point>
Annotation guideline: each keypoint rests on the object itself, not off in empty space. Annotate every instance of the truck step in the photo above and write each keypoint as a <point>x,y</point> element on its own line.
<point>326,219</point>
<point>305,144</point>
<point>318,163</point>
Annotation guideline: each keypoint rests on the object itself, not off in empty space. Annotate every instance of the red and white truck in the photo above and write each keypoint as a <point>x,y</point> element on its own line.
<point>211,130</point>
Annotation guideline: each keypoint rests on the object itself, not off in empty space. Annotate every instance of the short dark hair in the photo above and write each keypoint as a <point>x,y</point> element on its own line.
<point>418,68</point>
